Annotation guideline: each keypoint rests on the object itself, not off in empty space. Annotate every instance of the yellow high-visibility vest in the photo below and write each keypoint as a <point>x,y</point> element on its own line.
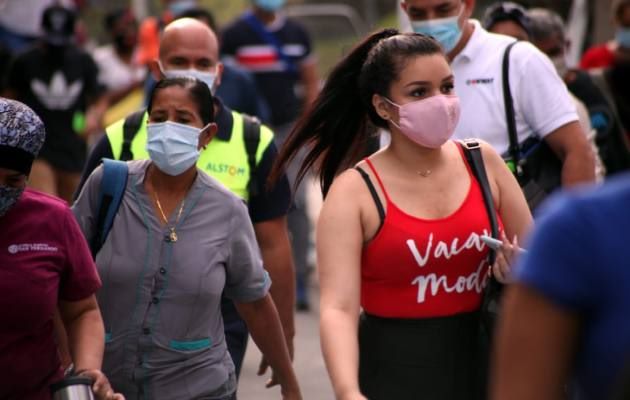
<point>226,161</point>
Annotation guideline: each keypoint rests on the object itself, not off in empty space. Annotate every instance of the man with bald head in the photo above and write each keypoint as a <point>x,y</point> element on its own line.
<point>190,48</point>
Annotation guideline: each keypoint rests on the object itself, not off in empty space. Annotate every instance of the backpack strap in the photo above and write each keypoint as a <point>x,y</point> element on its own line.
<point>130,128</point>
<point>472,151</point>
<point>251,136</point>
<point>514,149</point>
<point>112,189</point>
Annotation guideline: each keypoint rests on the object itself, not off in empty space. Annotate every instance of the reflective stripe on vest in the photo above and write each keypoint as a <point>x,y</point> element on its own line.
<point>226,161</point>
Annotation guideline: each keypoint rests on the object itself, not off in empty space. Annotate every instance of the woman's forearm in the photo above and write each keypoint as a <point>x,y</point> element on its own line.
<point>338,332</point>
<point>264,325</point>
<point>86,334</point>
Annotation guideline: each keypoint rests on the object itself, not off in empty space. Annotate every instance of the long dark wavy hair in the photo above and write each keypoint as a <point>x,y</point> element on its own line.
<point>337,127</point>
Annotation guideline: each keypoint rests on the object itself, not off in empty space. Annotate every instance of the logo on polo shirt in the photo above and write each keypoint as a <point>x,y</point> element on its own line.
<point>24,247</point>
<point>232,170</point>
<point>479,81</point>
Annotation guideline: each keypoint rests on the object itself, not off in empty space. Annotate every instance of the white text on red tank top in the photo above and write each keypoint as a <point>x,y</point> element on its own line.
<point>474,281</point>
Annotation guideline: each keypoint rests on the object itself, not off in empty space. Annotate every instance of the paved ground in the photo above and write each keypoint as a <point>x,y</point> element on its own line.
<point>308,363</point>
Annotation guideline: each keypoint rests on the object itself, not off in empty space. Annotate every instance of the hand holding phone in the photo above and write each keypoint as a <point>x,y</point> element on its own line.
<point>495,244</point>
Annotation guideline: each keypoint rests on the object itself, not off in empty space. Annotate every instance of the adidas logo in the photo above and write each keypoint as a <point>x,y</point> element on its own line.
<point>58,95</point>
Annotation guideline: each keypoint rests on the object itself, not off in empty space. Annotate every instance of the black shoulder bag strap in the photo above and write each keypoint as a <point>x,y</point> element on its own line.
<point>514,149</point>
<point>251,136</point>
<point>130,128</point>
<point>472,150</point>
<point>492,293</point>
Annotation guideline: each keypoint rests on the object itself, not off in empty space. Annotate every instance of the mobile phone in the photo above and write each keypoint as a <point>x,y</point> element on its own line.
<point>495,244</point>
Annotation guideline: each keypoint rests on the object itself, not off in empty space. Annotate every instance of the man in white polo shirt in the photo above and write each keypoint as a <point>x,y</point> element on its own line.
<point>541,101</point>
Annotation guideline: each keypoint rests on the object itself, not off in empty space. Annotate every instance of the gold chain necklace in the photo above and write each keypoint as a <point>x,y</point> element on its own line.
<point>425,173</point>
<point>172,237</point>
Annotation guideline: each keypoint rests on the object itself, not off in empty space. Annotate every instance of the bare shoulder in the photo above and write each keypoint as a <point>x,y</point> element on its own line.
<point>346,185</point>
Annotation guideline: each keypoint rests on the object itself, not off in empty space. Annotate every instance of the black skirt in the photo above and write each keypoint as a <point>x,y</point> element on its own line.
<point>427,359</point>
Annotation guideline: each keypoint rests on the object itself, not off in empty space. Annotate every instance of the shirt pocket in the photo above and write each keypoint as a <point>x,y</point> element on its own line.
<point>190,345</point>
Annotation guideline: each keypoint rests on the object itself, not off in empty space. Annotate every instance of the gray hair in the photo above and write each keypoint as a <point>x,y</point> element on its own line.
<point>545,24</point>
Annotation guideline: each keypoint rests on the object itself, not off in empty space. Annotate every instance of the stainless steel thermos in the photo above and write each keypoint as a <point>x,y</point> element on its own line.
<point>73,388</point>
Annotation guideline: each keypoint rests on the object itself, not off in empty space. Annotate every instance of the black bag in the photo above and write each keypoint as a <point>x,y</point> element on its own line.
<point>535,165</point>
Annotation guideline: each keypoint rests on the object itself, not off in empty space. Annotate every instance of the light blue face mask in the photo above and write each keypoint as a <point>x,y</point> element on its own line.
<point>270,5</point>
<point>8,197</point>
<point>180,6</point>
<point>172,146</point>
<point>209,78</point>
<point>444,30</point>
<point>623,37</point>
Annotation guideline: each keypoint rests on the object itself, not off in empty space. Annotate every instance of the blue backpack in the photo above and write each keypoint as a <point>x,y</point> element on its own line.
<point>111,193</point>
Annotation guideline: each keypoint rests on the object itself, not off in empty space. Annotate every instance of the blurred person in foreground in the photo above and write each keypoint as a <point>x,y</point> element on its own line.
<point>542,105</point>
<point>564,325</point>
<point>46,266</point>
<point>180,240</point>
<point>59,82</point>
<point>548,34</point>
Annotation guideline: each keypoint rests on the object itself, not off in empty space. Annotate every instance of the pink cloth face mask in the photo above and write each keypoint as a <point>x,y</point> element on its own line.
<point>429,122</point>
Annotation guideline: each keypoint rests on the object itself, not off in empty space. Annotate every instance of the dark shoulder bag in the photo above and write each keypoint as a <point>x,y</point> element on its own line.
<point>489,310</point>
<point>535,165</point>
<point>492,292</point>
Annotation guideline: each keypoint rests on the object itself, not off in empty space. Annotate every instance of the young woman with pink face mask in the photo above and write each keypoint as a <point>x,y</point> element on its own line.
<point>401,264</point>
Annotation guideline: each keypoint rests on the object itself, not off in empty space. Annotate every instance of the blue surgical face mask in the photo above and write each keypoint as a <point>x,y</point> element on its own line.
<point>173,147</point>
<point>178,7</point>
<point>209,78</point>
<point>444,30</point>
<point>8,197</point>
<point>623,37</point>
<point>270,5</point>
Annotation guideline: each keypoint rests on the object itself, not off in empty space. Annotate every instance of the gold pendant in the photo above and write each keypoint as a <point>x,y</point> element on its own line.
<point>173,236</point>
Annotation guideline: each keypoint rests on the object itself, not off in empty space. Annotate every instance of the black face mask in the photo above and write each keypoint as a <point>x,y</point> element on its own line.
<point>121,42</point>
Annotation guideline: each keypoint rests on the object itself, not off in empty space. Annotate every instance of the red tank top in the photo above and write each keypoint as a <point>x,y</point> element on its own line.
<point>420,268</point>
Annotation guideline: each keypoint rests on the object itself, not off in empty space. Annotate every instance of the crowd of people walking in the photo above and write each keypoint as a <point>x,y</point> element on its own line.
<point>478,254</point>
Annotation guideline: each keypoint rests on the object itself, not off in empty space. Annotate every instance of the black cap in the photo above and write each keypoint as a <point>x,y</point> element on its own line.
<point>506,11</point>
<point>58,24</point>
